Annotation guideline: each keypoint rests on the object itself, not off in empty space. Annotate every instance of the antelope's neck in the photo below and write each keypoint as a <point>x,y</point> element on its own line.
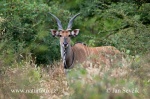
<point>69,55</point>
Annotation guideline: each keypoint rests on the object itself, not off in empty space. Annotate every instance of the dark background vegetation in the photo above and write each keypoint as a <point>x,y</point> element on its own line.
<point>25,38</point>
<point>26,26</point>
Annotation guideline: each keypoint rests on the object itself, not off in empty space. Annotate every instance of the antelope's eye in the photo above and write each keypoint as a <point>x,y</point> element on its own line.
<point>70,35</point>
<point>59,35</point>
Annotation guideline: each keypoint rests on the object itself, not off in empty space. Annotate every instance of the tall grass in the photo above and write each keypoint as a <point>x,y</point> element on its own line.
<point>24,80</point>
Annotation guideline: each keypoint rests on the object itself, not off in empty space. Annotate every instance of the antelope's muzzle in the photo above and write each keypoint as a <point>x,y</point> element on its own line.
<point>65,44</point>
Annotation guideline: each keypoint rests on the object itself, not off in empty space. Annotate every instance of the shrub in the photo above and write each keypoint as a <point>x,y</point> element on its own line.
<point>27,30</point>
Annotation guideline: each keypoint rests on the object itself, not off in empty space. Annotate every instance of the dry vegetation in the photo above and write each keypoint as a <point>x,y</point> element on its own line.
<point>78,83</point>
<point>120,23</point>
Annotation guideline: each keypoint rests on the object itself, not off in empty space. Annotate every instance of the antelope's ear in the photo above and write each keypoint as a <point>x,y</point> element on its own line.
<point>75,32</point>
<point>54,32</point>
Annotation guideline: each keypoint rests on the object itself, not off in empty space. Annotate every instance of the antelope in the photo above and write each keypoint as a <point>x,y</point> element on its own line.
<point>80,53</point>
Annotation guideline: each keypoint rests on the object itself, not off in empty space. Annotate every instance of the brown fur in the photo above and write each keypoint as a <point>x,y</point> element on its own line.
<point>101,55</point>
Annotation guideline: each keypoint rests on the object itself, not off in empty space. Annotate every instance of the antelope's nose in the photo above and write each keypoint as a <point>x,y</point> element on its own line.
<point>65,44</point>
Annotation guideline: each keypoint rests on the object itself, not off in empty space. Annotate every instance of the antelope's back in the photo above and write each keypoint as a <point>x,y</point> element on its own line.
<point>105,55</point>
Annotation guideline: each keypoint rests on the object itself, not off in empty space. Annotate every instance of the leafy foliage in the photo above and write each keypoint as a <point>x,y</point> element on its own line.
<point>27,30</point>
<point>25,38</point>
<point>27,23</point>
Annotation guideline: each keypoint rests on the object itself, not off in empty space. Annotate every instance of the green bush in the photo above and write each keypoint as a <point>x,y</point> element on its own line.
<point>27,30</point>
<point>27,24</point>
<point>25,37</point>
